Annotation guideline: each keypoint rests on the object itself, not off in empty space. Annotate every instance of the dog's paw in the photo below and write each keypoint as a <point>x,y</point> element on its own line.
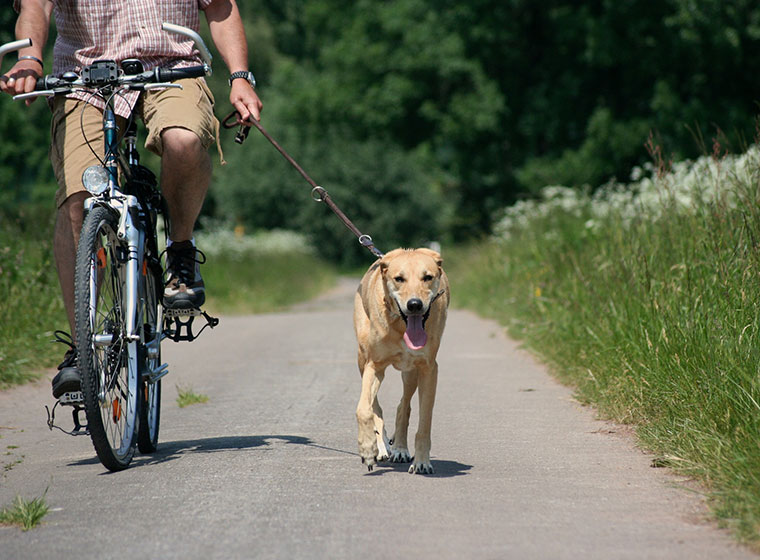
<point>421,468</point>
<point>370,462</point>
<point>400,456</point>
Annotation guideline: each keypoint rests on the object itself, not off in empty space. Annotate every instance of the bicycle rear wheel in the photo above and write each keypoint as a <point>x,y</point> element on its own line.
<point>107,360</point>
<point>150,363</point>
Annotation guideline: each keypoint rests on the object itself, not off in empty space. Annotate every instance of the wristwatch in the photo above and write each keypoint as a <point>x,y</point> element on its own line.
<point>246,75</point>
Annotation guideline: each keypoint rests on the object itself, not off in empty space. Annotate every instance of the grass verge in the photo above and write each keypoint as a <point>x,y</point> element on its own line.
<point>646,299</point>
<point>26,514</point>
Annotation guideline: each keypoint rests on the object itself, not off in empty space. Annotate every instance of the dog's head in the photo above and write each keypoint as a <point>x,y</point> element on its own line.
<point>412,279</point>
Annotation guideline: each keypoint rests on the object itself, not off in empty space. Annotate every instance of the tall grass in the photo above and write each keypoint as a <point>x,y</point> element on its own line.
<point>646,298</point>
<point>30,302</point>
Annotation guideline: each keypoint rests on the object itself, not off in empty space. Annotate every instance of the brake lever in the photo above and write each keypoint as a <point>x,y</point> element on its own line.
<point>231,121</point>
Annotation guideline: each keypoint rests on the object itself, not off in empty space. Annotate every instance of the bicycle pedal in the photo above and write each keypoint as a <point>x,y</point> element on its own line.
<point>178,324</point>
<point>173,313</point>
<point>71,399</point>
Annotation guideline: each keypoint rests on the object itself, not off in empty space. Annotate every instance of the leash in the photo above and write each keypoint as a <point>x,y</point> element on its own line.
<point>318,193</point>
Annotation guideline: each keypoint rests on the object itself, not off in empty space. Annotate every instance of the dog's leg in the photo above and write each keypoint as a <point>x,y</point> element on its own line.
<point>382,436</point>
<point>400,448</point>
<point>365,414</point>
<point>427,383</point>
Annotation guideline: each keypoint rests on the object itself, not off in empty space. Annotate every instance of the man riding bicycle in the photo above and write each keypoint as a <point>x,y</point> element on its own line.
<point>180,122</point>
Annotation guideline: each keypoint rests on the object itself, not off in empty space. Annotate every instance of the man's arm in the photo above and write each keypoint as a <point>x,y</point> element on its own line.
<point>33,22</point>
<point>229,37</point>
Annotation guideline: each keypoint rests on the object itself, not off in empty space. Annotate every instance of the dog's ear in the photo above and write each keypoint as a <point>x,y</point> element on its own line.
<point>434,255</point>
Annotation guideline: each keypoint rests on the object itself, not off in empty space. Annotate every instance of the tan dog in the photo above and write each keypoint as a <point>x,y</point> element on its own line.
<point>399,316</point>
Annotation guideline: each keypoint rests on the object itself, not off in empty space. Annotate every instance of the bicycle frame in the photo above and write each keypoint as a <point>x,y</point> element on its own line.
<point>127,206</point>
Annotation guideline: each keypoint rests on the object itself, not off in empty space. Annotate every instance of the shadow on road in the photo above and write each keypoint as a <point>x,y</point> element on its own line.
<point>172,450</point>
<point>443,469</point>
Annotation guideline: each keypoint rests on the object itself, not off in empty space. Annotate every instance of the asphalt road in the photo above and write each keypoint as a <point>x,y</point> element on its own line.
<point>268,467</point>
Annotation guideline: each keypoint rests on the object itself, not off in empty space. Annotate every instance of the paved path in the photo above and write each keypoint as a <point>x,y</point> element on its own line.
<point>268,468</point>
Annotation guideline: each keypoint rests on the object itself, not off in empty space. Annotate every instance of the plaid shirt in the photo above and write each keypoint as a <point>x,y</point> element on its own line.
<point>90,30</point>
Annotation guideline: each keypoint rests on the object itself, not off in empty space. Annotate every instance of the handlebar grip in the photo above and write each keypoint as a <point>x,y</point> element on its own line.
<point>49,82</point>
<point>172,74</point>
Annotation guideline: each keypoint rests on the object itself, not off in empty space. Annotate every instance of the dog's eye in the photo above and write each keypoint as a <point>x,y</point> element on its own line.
<point>427,278</point>
<point>399,279</point>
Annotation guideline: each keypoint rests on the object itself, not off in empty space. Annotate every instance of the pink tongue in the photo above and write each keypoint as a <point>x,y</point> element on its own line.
<point>415,335</point>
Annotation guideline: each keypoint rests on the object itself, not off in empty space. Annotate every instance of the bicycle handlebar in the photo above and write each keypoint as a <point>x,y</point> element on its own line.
<point>50,85</point>
<point>14,46</point>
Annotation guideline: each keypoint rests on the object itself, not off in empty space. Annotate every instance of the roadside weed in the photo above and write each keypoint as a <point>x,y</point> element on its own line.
<point>186,396</point>
<point>25,513</point>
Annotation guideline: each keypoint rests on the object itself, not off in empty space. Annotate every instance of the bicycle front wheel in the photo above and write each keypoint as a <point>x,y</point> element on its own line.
<point>108,362</point>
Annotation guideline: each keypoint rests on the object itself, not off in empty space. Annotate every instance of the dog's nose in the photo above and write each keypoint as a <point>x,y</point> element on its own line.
<point>414,305</point>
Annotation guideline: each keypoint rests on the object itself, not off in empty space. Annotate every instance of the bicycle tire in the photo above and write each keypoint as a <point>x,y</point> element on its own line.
<point>150,360</point>
<point>107,361</point>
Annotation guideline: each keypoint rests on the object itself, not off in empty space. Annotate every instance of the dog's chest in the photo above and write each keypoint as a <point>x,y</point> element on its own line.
<point>405,359</point>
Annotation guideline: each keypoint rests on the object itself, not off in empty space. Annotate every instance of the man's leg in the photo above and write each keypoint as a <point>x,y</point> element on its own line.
<point>68,225</point>
<point>185,177</point>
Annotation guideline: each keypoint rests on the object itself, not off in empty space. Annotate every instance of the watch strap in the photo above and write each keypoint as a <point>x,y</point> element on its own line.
<point>244,74</point>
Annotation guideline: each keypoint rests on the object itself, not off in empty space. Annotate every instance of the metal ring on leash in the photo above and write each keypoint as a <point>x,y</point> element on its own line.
<point>318,194</point>
<point>365,240</point>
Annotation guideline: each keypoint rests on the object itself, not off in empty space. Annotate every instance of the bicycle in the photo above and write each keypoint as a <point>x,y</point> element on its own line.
<point>118,280</point>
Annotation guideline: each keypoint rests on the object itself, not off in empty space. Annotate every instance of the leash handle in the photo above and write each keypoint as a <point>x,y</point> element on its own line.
<point>318,193</point>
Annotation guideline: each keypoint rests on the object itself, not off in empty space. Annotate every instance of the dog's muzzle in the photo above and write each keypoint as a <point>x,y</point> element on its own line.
<point>415,336</point>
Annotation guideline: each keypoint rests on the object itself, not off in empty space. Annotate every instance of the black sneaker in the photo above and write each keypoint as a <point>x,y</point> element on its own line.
<point>67,379</point>
<point>184,289</point>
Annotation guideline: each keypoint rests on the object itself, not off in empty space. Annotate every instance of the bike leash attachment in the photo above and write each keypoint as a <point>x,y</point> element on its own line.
<point>318,193</point>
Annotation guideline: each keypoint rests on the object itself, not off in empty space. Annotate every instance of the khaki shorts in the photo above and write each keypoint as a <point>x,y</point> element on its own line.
<point>71,152</point>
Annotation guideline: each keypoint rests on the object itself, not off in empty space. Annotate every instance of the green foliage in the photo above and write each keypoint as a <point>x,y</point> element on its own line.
<point>479,101</point>
<point>25,173</point>
<point>30,300</point>
<point>610,145</point>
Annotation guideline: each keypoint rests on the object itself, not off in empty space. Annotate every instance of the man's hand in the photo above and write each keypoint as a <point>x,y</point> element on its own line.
<point>229,37</point>
<point>246,102</point>
<point>22,78</point>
